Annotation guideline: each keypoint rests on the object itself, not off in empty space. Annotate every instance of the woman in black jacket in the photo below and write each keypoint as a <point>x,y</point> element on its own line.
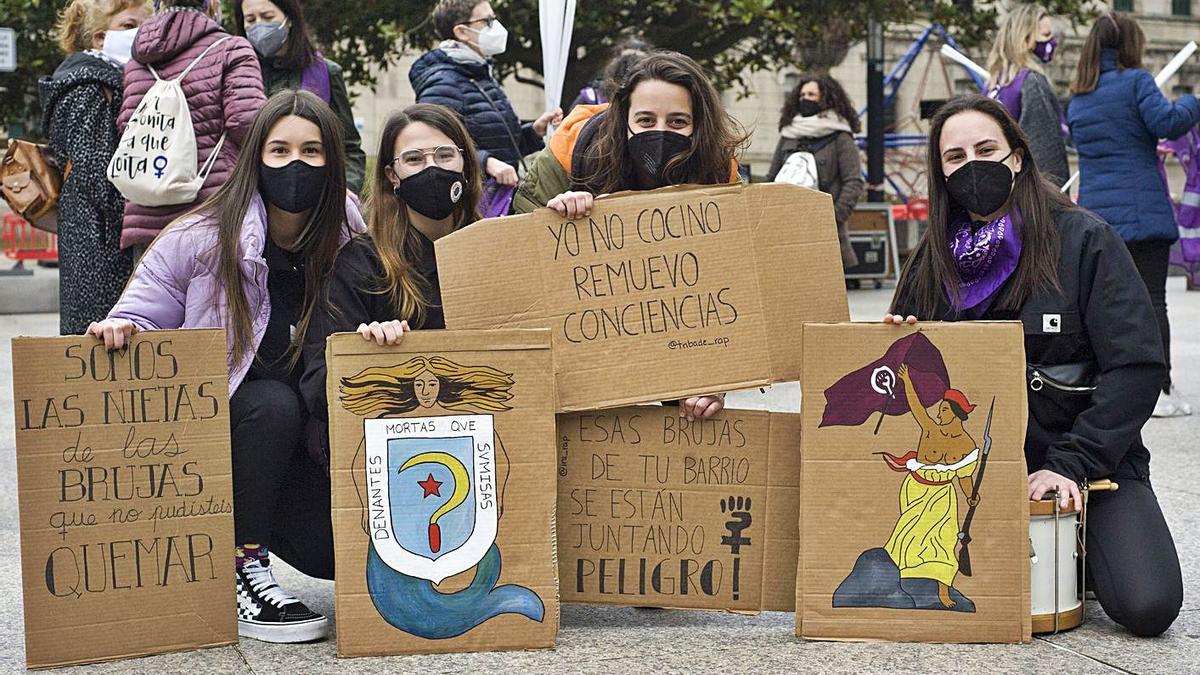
<point>1004,244</point>
<point>426,184</point>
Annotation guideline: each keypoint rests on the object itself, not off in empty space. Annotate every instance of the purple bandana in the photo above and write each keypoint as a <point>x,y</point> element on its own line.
<point>984,259</point>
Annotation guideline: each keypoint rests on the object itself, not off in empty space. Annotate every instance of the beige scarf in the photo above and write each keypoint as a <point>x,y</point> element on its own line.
<point>816,126</point>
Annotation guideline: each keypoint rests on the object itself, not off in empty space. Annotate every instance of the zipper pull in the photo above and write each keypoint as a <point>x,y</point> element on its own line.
<point>1035,381</point>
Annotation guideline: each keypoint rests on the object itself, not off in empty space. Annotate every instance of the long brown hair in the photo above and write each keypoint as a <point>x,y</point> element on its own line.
<point>833,97</point>
<point>1113,30</point>
<point>928,272</point>
<point>716,136</point>
<point>388,215</point>
<point>299,50</point>
<point>318,238</point>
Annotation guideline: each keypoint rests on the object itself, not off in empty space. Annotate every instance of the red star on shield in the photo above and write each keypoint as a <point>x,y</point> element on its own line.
<point>430,486</point>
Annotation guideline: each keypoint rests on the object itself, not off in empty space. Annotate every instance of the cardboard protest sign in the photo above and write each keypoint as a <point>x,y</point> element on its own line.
<point>913,511</point>
<point>656,510</point>
<point>656,295</point>
<point>126,496</point>
<point>442,460</point>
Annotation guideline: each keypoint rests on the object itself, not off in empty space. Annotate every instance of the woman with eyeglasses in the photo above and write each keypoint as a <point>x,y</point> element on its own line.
<point>425,185</point>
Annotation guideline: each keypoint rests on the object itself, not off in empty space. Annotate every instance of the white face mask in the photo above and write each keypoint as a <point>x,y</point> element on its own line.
<point>118,45</point>
<point>493,40</point>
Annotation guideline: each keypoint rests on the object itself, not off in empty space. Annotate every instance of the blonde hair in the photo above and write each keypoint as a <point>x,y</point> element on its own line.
<point>1010,52</point>
<point>389,390</point>
<point>82,19</point>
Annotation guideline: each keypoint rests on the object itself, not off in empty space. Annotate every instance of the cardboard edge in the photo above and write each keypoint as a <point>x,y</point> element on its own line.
<point>131,655</point>
<point>505,339</point>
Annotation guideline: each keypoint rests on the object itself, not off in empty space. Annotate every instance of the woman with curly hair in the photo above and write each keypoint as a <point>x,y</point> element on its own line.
<point>816,149</point>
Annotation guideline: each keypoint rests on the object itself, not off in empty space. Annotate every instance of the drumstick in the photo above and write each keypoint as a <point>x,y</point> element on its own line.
<point>1168,71</point>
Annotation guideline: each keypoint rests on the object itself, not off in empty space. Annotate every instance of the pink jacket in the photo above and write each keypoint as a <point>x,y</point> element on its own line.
<point>177,284</point>
<point>224,93</point>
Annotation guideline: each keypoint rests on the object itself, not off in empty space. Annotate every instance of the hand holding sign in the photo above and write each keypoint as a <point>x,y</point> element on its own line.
<point>114,332</point>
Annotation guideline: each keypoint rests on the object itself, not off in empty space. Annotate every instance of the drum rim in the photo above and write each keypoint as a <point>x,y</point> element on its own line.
<point>1067,619</point>
<point>1045,507</point>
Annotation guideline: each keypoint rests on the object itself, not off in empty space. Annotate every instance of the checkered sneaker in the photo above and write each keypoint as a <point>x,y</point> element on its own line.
<point>266,612</point>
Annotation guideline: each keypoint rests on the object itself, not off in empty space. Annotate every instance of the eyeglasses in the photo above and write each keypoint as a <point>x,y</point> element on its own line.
<point>489,19</point>
<point>445,156</point>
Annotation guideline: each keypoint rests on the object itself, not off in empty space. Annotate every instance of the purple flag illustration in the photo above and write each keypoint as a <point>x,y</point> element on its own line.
<point>875,387</point>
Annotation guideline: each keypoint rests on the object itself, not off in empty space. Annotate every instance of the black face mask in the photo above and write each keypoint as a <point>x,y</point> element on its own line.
<point>651,151</point>
<point>432,192</point>
<point>807,108</point>
<point>981,186</point>
<point>295,187</point>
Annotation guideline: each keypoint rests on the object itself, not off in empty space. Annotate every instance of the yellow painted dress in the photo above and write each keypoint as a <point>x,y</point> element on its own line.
<point>922,543</point>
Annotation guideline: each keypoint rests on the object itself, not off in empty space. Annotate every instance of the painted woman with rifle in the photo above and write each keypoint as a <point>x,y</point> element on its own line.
<point>1004,244</point>
<point>922,543</point>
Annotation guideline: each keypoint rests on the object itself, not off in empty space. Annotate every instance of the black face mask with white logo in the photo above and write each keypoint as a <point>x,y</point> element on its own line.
<point>294,187</point>
<point>981,186</point>
<point>432,192</point>
<point>651,151</point>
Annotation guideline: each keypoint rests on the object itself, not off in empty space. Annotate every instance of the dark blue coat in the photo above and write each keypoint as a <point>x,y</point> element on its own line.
<point>1116,129</point>
<point>494,125</point>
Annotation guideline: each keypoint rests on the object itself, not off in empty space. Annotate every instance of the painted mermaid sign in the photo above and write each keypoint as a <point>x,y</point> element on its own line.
<point>432,490</point>
<point>928,547</point>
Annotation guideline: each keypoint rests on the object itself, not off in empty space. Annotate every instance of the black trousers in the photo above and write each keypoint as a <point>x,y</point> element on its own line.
<point>1132,564</point>
<point>280,496</point>
<point>1151,258</point>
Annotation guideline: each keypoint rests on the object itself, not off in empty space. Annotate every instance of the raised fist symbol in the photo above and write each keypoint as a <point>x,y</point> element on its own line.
<point>739,509</point>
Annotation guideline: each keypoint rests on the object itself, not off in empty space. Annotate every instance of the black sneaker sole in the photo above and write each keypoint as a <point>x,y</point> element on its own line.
<point>297,631</point>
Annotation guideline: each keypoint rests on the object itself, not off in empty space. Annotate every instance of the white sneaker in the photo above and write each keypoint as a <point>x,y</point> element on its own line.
<point>1170,405</point>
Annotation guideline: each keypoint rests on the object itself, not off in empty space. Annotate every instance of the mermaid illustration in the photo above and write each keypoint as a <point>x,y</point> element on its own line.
<point>432,493</point>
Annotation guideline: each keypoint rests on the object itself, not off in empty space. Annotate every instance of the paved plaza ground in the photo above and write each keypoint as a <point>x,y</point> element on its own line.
<point>607,640</point>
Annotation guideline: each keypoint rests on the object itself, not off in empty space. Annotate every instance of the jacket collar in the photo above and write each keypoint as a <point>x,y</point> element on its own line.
<point>254,227</point>
<point>1108,60</point>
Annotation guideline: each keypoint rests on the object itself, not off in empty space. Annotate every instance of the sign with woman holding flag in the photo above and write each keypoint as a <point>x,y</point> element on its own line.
<point>907,545</point>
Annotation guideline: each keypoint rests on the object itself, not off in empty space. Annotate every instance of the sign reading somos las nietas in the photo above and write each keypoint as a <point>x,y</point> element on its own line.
<point>656,510</point>
<point>125,493</point>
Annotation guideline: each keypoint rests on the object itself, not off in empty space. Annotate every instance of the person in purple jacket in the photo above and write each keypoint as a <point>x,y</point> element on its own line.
<point>271,233</point>
<point>224,91</point>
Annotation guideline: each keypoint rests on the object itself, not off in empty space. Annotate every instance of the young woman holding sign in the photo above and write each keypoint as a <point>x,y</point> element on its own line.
<point>666,125</point>
<point>270,233</point>
<point>1004,244</point>
<point>425,185</point>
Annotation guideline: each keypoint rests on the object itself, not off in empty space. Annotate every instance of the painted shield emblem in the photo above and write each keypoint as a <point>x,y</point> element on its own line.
<point>431,492</point>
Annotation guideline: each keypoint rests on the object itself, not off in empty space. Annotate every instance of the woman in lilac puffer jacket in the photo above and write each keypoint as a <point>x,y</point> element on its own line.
<point>252,260</point>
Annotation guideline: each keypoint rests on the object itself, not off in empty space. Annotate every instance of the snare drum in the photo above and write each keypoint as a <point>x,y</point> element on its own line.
<point>1057,558</point>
